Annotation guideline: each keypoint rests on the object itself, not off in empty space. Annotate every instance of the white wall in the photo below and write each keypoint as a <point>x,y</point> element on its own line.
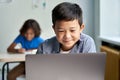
<point>107,20</point>
<point>109,17</point>
<point>88,16</point>
<point>97,24</point>
<point>13,15</point>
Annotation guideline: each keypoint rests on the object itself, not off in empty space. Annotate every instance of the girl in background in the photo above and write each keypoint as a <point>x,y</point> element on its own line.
<point>29,40</point>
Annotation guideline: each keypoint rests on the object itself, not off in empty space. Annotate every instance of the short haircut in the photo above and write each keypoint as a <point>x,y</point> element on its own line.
<point>31,23</point>
<point>68,12</point>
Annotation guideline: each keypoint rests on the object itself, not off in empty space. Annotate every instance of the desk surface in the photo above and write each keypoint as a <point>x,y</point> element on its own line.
<point>11,57</point>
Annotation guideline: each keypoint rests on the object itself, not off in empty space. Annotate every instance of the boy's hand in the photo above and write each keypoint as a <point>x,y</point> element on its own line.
<point>22,50</point>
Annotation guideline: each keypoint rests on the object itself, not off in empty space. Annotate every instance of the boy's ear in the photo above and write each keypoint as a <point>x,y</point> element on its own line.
<point>82,27</point>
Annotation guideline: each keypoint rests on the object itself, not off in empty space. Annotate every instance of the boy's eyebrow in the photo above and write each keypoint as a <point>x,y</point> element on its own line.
<point>72,27</point>
<point>58,27</point>
<point>62,28</point>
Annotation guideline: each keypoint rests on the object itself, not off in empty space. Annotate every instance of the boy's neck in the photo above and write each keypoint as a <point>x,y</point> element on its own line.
<point>64,52</point>
<point>65,49</point>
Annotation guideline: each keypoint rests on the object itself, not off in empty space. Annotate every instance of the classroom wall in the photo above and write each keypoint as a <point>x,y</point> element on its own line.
<point>109,18</point>
<point>97,24</point>
<point>13,15</point>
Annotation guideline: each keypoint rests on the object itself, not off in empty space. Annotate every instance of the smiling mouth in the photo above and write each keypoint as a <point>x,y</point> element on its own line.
<point>67,41</point>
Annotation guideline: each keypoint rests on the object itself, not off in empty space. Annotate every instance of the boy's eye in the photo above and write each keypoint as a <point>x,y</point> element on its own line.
<point>60,30</point>
<point>72,30</point>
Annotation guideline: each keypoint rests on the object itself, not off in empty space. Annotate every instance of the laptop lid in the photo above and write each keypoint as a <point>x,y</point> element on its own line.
<point>88,66</point>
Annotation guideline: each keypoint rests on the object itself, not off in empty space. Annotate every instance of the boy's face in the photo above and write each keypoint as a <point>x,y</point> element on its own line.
<point>68,33</point>
<point>29,35</point>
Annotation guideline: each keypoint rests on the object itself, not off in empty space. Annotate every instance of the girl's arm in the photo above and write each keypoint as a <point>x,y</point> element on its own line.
<point>13,50</point>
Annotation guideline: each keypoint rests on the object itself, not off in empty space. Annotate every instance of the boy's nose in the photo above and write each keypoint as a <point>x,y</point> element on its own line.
<point>67,35</point>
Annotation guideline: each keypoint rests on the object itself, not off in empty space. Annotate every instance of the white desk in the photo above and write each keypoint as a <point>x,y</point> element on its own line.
<point>10,58</point>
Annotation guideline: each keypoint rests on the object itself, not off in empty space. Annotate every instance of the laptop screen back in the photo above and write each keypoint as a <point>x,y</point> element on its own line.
<point>89,66</point>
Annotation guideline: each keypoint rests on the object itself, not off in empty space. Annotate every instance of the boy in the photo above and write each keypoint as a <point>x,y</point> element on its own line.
<point>68,26</point>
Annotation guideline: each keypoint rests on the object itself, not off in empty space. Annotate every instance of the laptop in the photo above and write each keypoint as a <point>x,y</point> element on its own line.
<point>89,66</point>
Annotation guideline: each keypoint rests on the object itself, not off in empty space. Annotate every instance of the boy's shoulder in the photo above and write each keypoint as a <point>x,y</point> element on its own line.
<point>51,41</point>
<point>87,44</point>
<point>85,37</point>
<point>50,45</point>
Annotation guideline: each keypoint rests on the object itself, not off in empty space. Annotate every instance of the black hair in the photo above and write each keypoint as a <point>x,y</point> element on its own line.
<point>31,23</point>
<point>68,12</point>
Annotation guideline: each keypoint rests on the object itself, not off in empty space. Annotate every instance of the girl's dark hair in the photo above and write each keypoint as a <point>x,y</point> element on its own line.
<point>68,12</point>
<point>31,23</point>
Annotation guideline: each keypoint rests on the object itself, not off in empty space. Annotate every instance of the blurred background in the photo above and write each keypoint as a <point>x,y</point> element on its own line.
<point>101,19</point>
